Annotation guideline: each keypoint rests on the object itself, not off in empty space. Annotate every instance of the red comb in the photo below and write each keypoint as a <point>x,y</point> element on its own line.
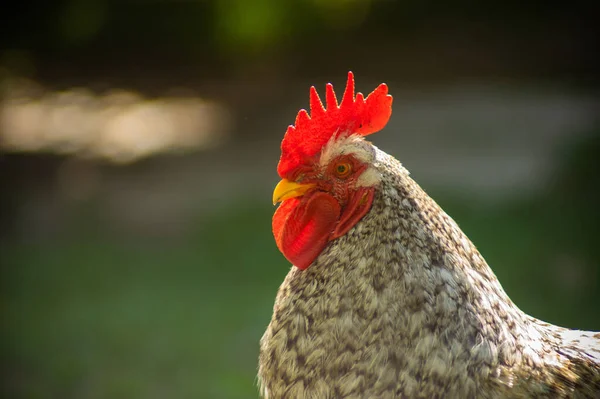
<point>354,115</point>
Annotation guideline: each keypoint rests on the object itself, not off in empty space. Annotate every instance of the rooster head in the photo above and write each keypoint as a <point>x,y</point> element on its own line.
<point>327,170</point>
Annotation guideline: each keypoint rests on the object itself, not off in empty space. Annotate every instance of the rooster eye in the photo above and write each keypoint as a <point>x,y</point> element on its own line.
<point>343,169</point>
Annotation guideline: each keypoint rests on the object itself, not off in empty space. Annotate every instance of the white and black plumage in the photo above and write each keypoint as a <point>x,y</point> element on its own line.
<point>402,305</point>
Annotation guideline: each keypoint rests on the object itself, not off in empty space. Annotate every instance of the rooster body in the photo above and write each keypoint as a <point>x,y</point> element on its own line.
<point>402,305</point>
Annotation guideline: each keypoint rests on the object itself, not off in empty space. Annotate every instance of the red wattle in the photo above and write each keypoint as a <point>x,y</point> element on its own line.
<point>358,205</point>
<point>302,227</point>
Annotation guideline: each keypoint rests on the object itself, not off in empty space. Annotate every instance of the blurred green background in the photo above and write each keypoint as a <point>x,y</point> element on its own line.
<point>139,145</point>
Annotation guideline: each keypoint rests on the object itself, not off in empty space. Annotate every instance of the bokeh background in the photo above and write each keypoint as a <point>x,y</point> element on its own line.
<point>139,141</point>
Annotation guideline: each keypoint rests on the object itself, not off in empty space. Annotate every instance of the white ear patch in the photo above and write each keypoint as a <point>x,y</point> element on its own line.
<point>368,178</point>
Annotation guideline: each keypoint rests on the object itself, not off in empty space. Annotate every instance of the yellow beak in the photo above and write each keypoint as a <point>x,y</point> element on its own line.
<point>286,189</point>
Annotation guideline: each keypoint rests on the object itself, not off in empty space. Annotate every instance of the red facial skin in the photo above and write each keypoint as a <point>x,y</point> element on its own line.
<point>304,225</point>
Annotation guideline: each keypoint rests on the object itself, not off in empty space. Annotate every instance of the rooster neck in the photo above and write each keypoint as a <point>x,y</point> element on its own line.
<point>402,303</point>
<point>409,249</point>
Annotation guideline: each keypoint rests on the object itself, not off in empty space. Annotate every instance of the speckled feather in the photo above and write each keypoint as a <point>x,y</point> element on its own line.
<point>404,306</point>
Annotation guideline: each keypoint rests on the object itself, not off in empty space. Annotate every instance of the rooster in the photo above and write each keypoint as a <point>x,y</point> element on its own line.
<point>388,298</point>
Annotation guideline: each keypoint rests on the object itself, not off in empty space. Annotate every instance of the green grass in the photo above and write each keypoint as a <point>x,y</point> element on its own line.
<point>95,317</point>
